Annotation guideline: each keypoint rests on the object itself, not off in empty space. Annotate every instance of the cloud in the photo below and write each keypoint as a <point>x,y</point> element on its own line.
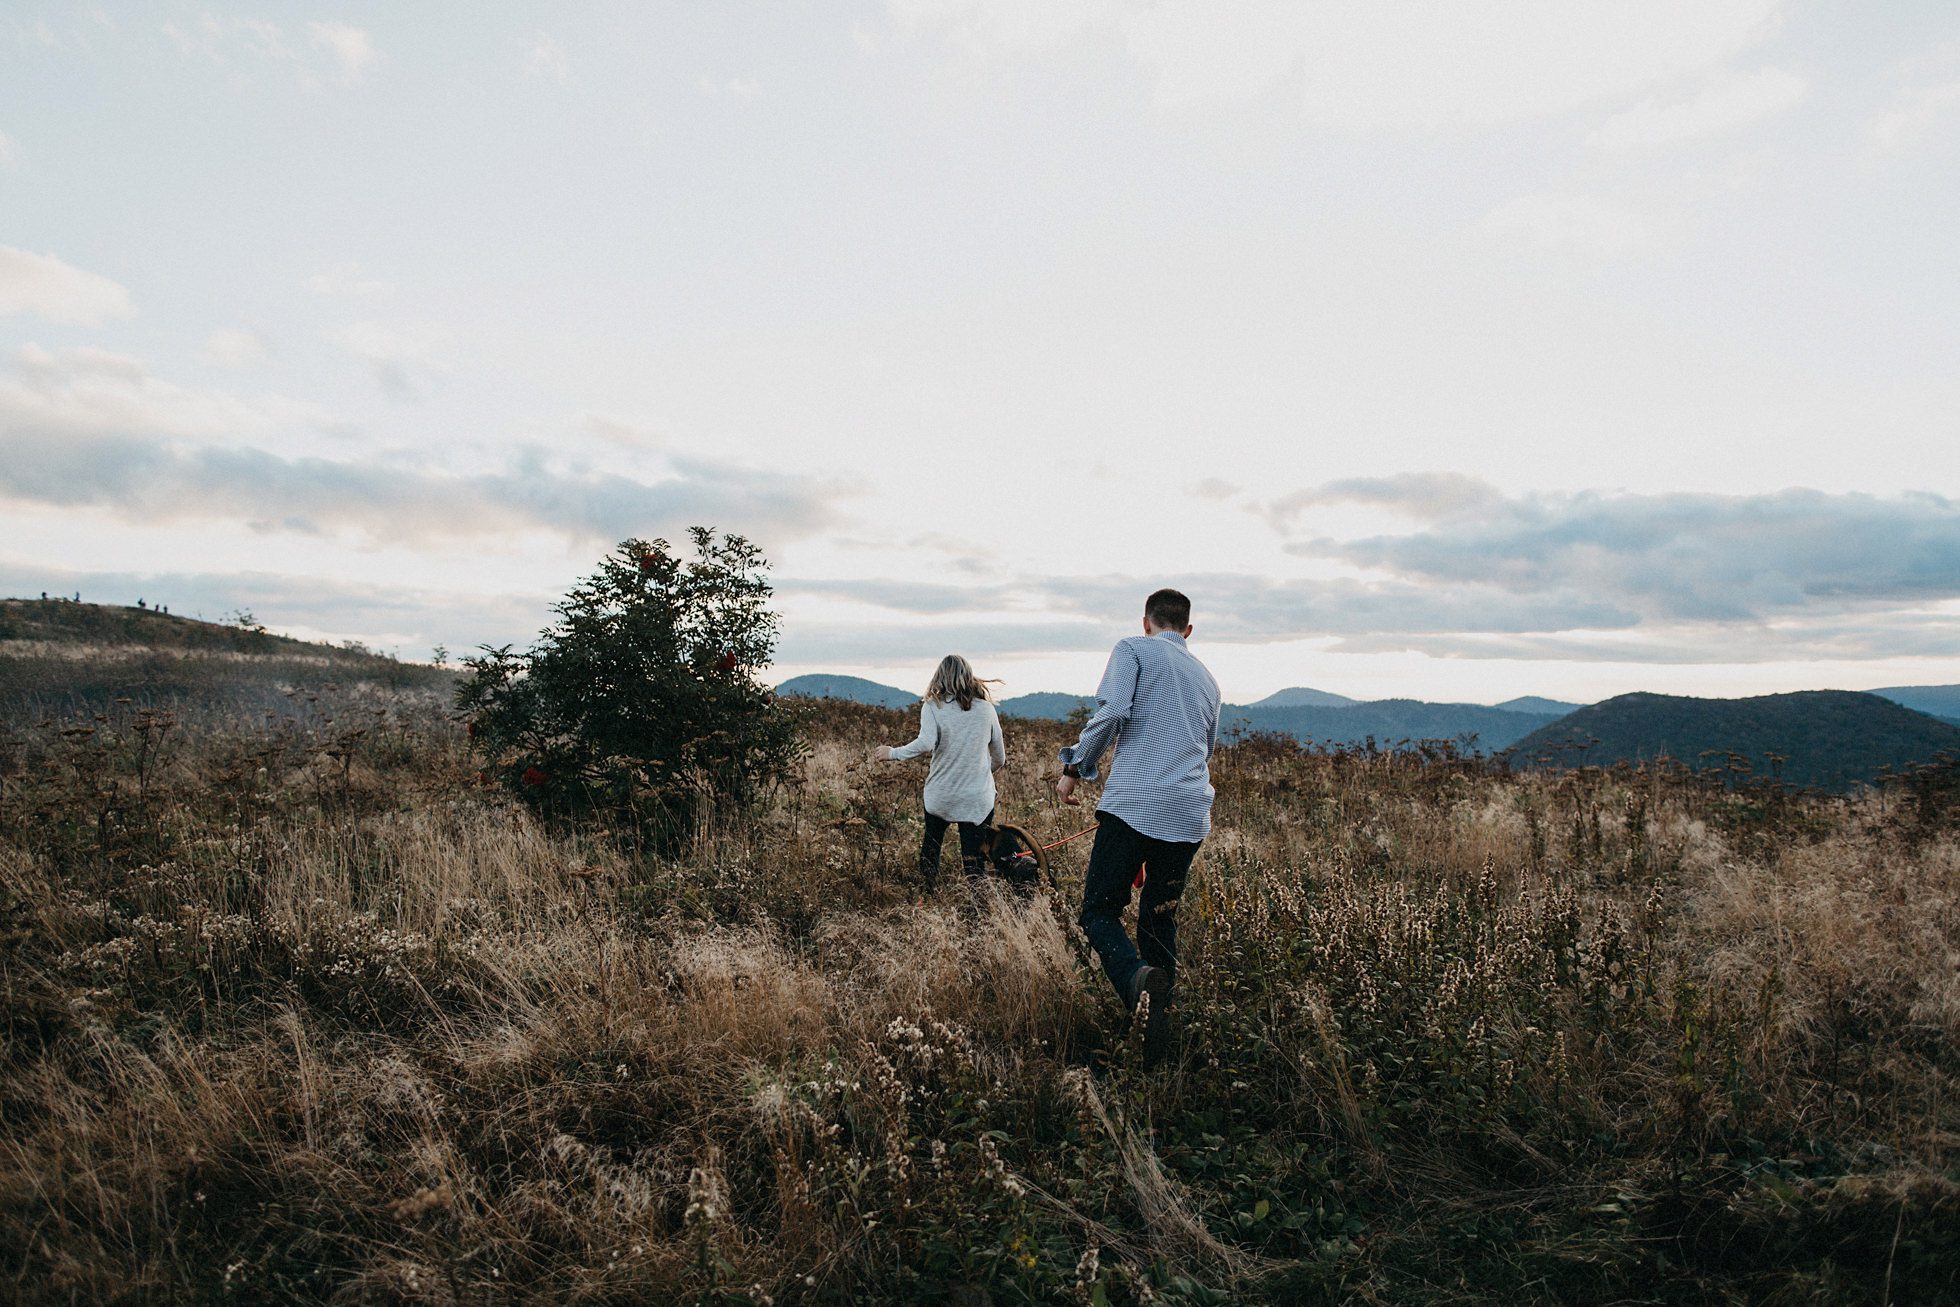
<point>37,34</point>
<point>1428,495</point>
<point>382,501</point>
<point>547,59</point>
<point>236,348</point>
<point>1873,638</point>
<point>738,88</point>
<point>623,434</point>
<point>1418,64</point>
<point>1587,576</point>
<point>405,618</point>
<point>1913,114</point>
<point>9,152</point>
<point>820,643</point>
<point>90,429</point>
<point>349,281</point>
<point>43,285</point>
<point>1229,606</point>
<point>1728,101</point>
<point>332,53</point>
<point>95,392</point>
<point>1215,488</point>
<point>916,597</point>
<point>400,357</point>
<point>350,48</point>
<point>1683,557</point>
<point>1588,224</point>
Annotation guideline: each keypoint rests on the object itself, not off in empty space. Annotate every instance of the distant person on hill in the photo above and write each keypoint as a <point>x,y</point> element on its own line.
<point>1159,706</point>
<point>960,729</point>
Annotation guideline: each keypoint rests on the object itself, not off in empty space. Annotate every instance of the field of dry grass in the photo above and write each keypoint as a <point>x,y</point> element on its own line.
<point>295,1007</point>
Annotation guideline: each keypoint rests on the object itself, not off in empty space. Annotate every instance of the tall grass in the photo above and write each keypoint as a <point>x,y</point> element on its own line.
<point>296,1008</point>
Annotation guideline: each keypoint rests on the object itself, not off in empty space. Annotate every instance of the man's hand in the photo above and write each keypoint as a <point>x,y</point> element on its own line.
<point>882,753</point>
<point>1065,791</point>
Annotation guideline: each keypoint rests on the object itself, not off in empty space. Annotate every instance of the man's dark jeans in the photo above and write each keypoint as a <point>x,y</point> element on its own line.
<point>971,858</point>
<point>1120,850</point>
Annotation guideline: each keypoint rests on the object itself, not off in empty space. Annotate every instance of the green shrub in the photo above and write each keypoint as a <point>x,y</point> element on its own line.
<point>642,701</point>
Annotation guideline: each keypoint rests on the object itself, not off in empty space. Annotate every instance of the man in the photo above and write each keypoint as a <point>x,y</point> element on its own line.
<point>1159,706</point>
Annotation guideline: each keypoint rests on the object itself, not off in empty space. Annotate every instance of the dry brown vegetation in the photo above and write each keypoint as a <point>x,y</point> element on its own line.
<point>297,1008</point>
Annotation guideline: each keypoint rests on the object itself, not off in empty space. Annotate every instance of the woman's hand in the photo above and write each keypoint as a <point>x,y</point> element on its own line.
<point>1065,790</point>
<point>882,753</point>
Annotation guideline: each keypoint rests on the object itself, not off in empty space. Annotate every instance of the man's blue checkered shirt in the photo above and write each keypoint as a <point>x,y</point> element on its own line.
<point>1159,706</point>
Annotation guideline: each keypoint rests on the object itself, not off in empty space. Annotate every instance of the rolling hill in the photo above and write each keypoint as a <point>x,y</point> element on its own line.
<point>58,655</point>
<point>1048,704</point>
<point>1388,721</point>
<point>1533,703</point>
<point>1299,696</point>
<point>1941,701</point>
<point>854,688</point>
<point>1312,716</point>
<point>1829,739</point>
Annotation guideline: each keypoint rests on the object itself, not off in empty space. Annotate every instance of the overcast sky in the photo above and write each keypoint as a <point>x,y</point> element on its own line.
<point>1450,349</point>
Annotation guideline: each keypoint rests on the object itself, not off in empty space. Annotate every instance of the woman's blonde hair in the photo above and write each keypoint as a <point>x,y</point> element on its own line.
<point>955,680</point>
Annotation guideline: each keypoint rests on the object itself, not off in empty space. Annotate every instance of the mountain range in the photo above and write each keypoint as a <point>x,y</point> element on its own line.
<point>1828,738</point>
<point>1316,716</point>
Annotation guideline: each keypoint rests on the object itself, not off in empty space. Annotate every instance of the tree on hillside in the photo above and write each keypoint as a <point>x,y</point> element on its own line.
<point>642,699</point>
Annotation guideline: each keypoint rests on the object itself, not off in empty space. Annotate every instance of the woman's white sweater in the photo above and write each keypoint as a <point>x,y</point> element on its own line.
<point>967,749</point>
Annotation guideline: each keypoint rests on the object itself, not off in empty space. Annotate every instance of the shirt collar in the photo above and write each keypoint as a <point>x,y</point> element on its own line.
<point>1173,635</point>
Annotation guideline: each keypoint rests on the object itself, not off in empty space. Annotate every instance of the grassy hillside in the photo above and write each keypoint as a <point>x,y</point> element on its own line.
<point>1831,739</point>
<point>58,656</point>
<point>295,1008</point>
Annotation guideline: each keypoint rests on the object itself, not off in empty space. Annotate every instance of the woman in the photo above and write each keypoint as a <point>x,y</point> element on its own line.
<point>960,729</point>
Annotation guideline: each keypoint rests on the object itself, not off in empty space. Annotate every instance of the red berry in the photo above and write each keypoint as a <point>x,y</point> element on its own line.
<point>728,661</point>
<point>533,776</point>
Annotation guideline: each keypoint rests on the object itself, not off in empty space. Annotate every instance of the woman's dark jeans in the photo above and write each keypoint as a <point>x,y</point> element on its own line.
<point>1120,851</point>
<point>972,833</point>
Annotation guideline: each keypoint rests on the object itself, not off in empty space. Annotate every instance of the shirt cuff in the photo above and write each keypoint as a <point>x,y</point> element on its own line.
<point>1088,769</point>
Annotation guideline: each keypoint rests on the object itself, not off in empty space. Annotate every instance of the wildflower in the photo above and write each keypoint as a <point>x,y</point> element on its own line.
<point>534,776</point>
<point>469,729</point>
<point>727,663</point>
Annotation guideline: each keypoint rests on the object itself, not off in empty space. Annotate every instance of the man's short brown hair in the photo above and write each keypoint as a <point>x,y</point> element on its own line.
<point>1168,610</point>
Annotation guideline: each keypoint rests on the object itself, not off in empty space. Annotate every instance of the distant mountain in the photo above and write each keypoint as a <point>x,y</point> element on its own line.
<point>853,688</point>
<point>1941,701</point>
<point>1534,703</point>
<point>1300,696</point>
<point>1312,716</point>
<point>1387,721</point>
<point>1045,704</point>
<point>1829,739</point>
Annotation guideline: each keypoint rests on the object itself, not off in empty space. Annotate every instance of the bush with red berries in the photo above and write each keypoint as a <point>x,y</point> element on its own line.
<point>642,699</point>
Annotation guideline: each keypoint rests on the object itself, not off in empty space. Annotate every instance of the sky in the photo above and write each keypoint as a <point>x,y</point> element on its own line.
<point>1449,349</point>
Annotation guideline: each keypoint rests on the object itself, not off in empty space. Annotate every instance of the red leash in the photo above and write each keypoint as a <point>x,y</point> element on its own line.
<point>1141,871</point>
<point>1064,840</point>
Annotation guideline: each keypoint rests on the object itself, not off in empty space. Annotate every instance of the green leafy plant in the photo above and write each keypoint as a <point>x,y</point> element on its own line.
<point>642,700</point>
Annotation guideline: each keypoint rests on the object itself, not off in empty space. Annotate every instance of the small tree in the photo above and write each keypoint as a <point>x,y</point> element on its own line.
<point>641,700</point>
